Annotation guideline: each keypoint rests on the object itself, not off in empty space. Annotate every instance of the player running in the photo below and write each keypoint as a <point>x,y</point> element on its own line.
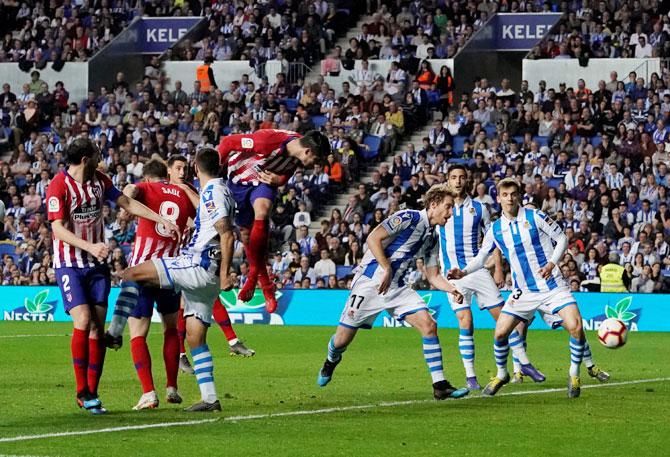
<point>526,238</point>
<point>200,272</point>
<point>257,163</point>
<point>459,243</point>
<point>135,304</point>
<point>74,203</point>
<point>177,168</point>
<point>378,285</point>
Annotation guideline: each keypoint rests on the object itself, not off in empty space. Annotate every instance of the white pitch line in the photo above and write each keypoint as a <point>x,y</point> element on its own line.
<point>30,336</point>
<point>309,412</point>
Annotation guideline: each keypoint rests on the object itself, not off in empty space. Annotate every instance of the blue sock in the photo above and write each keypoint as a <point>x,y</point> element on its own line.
<point>576,355</point>
<point>334,354</point>
<point>501,351</point>
<point>466,346</point>
<point>432,352</point>
<point>517,343</point>
<point>204,372</point>
<point>124,306</point>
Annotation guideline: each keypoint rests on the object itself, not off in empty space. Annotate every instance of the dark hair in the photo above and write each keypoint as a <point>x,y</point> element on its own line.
<point>207,160</point>
<point>80,148</point>
<point>317,142</point>
<point>457,166</point>
<point>176,158</point>
<point>155,169</point>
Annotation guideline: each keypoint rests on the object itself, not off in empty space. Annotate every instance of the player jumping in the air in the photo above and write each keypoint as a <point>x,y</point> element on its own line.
<point>459,243</point>
<point>526,238</point>
<point>177,168</point>
<point>74,203</point>
<point>257,163</point>
<point>378,285</point>
<point>200,272</point>
<point>135,304</point>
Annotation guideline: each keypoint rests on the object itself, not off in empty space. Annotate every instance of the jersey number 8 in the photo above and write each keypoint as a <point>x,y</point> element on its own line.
<point>170,211</point>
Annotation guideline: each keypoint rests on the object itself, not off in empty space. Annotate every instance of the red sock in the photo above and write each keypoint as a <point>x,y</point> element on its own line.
<point>142,361</point>
<point>223,319</point>
<point>79,348</point>
<point>181,330</point>
<point>171,356</point>
<point>258,244</point>
<point>96,360</point>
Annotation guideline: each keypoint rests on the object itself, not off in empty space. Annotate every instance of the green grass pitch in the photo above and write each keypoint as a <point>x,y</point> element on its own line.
<point>379,402</point>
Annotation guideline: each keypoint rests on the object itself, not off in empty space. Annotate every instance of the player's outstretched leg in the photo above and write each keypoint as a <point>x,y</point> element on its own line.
<point>334,356</point>
<point>220,315</point>
<point>432,353</point>
<point>592,368</point>
<point>124,306</point>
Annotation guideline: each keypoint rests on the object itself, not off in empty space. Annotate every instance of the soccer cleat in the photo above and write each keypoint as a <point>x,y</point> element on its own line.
<point>326,372</point>
<point>532,372</point>
<point>91,404</point>
<point>517,378</point>
<point>443,390</point>
<point>270,298</point>
<point>574,387</point>
<point>597,373</point>
<point>495,384</point>
<point>472,383</point>
<point>246,293</point>
<point>240,349</point>
<point>148,400</point>
<point>113,342</point>
<point>173,396</point>
<point>185,365</point>
<point>204,407</point>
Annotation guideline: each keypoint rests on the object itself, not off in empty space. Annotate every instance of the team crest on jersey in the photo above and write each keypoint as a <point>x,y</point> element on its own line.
<point>247,143</point>
<point>54,205</point>
<point>526,225</point>
<point>472,210</point>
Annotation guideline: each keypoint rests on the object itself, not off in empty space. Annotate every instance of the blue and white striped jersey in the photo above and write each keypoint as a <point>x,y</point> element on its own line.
<point>410,237</point>
<point>216,202</point>
<point>527,242</point>
<point>459,238</point>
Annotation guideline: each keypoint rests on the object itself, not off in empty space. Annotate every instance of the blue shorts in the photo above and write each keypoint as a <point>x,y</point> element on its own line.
<point>84,286</point>
<point>245,195</point>
<point>166,300</point>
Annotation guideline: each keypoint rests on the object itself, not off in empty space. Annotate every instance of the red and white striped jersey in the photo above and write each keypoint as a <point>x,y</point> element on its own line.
<point>265,150</point>
<point>79,206</point>
<point>153,240</point>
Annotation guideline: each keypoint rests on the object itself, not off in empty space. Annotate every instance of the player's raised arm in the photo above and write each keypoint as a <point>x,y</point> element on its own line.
<point>131,191</point>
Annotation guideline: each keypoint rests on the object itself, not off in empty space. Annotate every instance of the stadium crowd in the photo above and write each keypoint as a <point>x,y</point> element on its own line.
<point>594,158</point>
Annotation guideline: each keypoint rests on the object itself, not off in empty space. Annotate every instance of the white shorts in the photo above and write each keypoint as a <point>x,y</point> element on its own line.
<point>364,303</point>
<point>554,321</point>
<point>480,285</point>
<point>523,304</point>
<point>198,286</point>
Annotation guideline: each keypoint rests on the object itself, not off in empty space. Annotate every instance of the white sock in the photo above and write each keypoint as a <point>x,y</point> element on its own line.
<point>466,346</point>
<point>124,306</point>
<point>204,373</point>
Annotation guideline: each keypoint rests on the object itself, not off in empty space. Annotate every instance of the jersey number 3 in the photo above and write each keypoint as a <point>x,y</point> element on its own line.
<point>170,211</point>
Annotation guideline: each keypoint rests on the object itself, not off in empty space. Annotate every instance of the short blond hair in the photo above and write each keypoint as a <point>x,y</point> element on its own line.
<point>508,182</point>
<point>437,194</point>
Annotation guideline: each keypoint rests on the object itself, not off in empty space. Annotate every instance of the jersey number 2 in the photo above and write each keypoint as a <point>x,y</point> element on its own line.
<point>170,211</point>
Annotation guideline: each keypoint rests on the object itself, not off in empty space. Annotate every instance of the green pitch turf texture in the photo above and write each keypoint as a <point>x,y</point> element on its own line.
<point>379,402</point>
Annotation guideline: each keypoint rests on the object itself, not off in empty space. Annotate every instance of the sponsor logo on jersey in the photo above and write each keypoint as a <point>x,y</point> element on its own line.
<point>37,309</point>
<point>86,214</point>
<point>210,206</point>
<point>395,221</point>
<point>247,143</point>
<point>54,205</point>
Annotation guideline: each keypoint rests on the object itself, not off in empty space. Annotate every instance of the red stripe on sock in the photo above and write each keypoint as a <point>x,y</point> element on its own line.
<point>223,319</point>
<point>181,330</point>
<point>79,348</point>
<point>171,356</point>
<point>96,361</point>
<point>142,361</point>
